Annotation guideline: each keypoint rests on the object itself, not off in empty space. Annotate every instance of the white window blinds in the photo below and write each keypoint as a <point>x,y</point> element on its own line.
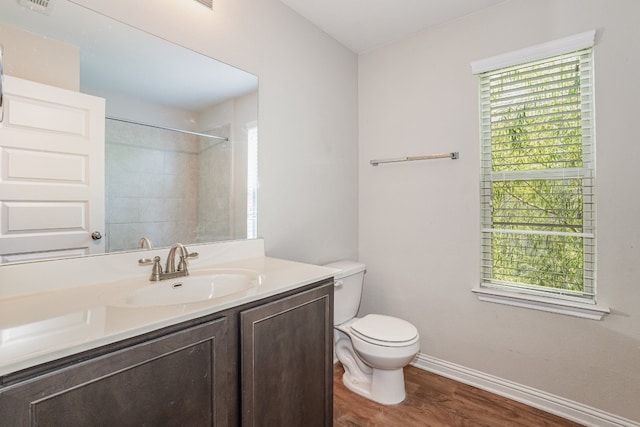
<point>537,177</point>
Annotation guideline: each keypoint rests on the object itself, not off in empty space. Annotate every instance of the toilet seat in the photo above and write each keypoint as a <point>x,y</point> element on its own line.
<point>385,331</point>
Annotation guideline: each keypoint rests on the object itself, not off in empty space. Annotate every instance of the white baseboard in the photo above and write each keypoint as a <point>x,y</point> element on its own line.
<point>547,402</point>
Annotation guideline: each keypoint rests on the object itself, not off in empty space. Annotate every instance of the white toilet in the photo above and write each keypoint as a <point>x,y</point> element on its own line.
<point>373,349</point>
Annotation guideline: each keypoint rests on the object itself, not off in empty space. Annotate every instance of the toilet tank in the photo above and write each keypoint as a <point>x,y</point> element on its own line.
<point>348,290</point>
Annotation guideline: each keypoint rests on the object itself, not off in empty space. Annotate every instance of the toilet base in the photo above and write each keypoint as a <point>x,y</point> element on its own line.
<point>382,386</point>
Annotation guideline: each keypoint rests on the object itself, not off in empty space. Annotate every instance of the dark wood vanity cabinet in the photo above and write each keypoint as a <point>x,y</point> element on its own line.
<point>266,363</point>
<point>175,380</point>
<point>287,361</point>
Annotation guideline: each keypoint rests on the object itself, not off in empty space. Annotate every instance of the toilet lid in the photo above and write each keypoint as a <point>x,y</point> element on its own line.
<point>384,328</point>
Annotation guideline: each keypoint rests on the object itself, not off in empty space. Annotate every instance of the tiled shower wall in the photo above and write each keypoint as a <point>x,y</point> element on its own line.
<point>155,180</point>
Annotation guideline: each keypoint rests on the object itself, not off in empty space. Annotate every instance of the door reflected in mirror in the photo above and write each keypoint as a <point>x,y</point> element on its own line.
<point>163,178</point>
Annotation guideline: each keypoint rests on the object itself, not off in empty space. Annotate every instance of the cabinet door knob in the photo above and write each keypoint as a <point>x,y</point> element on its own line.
<point>96,235</point>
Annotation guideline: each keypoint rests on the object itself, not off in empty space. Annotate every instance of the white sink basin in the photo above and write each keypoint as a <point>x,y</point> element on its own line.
<point>198,286</point>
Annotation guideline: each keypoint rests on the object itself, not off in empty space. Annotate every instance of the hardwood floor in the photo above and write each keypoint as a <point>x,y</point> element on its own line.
<point>436,401</point>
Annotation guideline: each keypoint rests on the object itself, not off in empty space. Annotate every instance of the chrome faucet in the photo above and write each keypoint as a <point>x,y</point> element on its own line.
<point>170,270</point>
<point>183,264</point>
<point>144,242</point>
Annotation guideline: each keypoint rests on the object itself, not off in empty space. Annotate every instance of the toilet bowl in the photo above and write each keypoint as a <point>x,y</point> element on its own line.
<point>373,349</point>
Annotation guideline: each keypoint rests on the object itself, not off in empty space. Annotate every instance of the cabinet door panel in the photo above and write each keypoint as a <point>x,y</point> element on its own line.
<point>287,377</point>
<point>173,380</point>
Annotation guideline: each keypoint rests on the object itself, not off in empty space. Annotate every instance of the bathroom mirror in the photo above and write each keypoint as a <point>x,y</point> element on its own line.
<point>165,178</point>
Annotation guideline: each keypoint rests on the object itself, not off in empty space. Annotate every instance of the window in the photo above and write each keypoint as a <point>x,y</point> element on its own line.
<point>537,176</point>
<point>252,182</point>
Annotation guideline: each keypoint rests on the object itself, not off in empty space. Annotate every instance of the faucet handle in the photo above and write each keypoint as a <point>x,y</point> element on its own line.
<point>183,265</point>
<point>156,270</point>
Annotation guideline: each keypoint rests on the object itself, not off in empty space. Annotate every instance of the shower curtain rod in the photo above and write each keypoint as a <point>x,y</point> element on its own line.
<point>222,138</point>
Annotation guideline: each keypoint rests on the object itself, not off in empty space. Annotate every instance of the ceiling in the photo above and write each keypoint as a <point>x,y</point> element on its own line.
<point>362,25</point>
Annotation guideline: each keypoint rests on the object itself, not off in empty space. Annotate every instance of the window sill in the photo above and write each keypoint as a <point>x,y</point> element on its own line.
<point>570,308</point>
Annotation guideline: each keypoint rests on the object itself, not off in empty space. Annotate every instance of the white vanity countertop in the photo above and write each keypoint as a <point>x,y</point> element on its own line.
<point>43,326</point>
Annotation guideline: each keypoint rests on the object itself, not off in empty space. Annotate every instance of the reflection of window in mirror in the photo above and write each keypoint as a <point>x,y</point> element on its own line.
<point>252,181</point>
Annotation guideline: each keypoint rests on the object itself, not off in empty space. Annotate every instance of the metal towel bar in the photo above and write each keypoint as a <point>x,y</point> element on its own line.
<point>454,155</point>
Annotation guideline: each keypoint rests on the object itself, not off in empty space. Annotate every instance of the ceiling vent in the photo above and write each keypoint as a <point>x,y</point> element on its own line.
<point>208,3</point>
<point>42,6</point>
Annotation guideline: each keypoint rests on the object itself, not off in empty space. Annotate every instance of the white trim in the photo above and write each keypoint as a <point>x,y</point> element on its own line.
<point>547,402</point>
<point>552,305</point>
<point>533,53</point>
<point>536,232</point>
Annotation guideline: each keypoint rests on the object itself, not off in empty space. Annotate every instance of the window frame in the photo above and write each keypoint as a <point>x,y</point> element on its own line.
<point>546,299</point>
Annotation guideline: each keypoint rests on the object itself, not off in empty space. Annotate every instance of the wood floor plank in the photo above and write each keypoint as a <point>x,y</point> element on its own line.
<point>435,401</point>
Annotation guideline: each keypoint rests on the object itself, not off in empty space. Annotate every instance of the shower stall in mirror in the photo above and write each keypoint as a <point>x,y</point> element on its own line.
<point>171,185</point>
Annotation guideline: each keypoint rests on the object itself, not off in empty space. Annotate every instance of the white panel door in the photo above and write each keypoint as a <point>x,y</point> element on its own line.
<point>51,172</point>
